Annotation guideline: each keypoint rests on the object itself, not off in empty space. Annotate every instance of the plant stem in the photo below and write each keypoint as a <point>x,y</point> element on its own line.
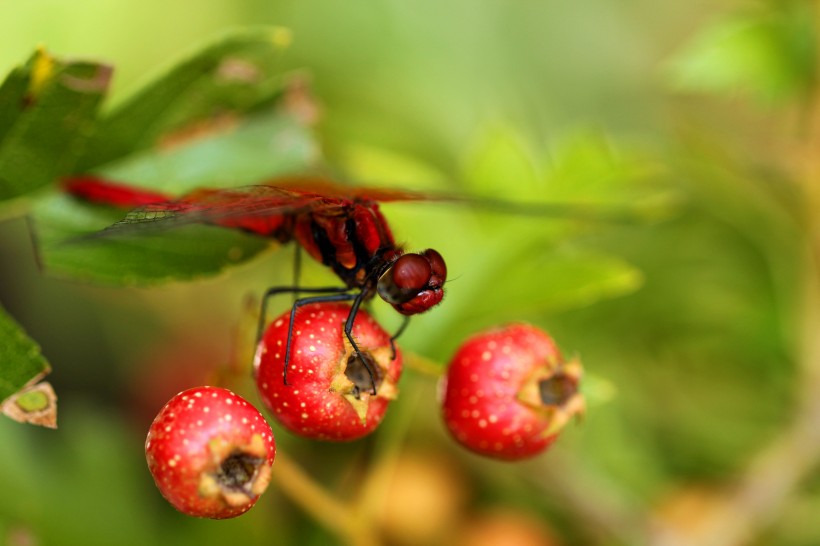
<point>423,365</point>
<point>320,504</point>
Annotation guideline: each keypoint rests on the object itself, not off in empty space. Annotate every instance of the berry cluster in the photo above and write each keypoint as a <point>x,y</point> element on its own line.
<point>507,394</point>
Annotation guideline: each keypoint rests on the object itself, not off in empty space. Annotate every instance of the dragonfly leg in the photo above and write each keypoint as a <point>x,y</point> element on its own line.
<point>351,317</point>
<point>296,290</point>
<point>344,296</point>
<point>297,268</point>
<point>405,321</point>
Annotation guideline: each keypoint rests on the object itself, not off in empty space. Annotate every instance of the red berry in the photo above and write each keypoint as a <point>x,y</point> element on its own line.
<point>210,453</point>
<point>330,392</point>
<point>508,393</point>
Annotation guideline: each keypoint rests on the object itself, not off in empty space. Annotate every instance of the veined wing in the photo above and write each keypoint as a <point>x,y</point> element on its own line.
<point>584,211</point>
<point>257,208</point>
<point>260,209</point>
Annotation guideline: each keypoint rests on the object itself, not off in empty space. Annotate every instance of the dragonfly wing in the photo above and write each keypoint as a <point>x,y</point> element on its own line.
<point>254,208</point>
<point>262,209</point>
<point>327,188</point>
<point>566,210</point>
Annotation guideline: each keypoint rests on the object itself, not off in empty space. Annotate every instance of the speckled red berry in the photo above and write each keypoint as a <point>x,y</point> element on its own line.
<point>508,393</point>
<point>329,393</point>
<point>210,452</point>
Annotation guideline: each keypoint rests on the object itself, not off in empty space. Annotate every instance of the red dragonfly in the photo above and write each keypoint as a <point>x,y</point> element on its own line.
<point>340,227</point>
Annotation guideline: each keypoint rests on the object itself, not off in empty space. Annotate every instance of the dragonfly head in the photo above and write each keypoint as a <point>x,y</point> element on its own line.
<point>414,282</point>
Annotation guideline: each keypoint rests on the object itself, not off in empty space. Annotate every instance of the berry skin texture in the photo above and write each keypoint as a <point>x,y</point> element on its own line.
<point>330,393</point>
<point>210,452</point>
<point>508,393</point>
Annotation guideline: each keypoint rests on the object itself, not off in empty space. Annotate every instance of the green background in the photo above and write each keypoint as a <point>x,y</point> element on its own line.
<point>696,324</point>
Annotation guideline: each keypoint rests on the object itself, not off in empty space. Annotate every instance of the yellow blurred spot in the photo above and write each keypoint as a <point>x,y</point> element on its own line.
<point>33,401</point>
<point>41,71</point>
<point>281,37</point>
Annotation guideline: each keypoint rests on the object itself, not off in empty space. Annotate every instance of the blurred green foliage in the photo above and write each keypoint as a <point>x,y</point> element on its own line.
<point>691,314</point>
<point>47,108</point>
<point>271,142</point>
<point>770,52</point>
<point>20,356</point>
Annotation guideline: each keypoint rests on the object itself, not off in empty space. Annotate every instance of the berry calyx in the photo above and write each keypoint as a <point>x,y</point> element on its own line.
<point>332,393</point>
<point>508,392</point>
<point>210,453</point>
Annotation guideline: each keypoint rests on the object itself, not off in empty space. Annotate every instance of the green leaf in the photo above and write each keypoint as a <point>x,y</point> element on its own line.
<point>234,75</point>
<point>771,54</point>
<point>217,119</point>
<point>582,170</point>
<point>555,279</point>
<point>501,164</point>
<point>384,167</point>
<point>507,266</point>
<point>181,254</point>
<point>20,359</point>
<point>47,109</point>
<point>511,280</point>
<point>586,166</point>
<point>250,151</point>
<point>12,98</point>
<point>264,146</point>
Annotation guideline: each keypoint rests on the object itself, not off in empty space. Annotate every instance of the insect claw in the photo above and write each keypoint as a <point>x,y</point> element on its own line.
<point>370,374</point>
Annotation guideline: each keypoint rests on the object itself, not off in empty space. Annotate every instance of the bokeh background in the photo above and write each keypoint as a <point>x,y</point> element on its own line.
<point>697,326</point>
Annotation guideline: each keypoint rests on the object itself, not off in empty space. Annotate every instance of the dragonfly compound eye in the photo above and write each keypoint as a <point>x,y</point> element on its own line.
<point>411,273</point>
<point>437,266</point>
<point>413,283</point>
<point>404,279</point>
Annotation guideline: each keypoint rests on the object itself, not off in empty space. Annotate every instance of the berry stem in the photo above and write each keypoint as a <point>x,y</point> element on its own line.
<point>423,365</point>
<point>374,490</point>
<point>320,504</point>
